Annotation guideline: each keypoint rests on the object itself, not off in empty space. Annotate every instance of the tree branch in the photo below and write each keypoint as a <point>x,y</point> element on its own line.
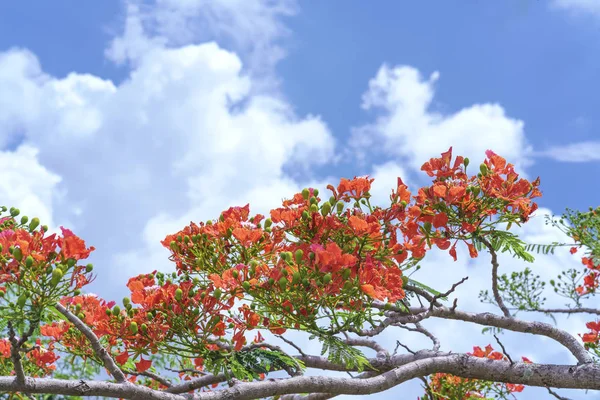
<point>495,266</point>
<point>100,351</point>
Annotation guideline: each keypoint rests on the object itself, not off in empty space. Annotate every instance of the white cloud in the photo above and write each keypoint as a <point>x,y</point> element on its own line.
<point>579,6</point>
<point>574,152</point>
<point>250,28</point>
<point>407,126</point>
<point>172,139</point>
<point>26,184</point>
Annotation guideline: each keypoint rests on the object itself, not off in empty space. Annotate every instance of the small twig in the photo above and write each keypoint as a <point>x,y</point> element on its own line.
<point>504,350</point>
<point>427,387</point>
<point>553,393</point>
<point>100,351</point>
<point>294,345</point>
<point>398,344</point>
<point>495,266</point>
<point>452,289</point>
<point>150,375</point>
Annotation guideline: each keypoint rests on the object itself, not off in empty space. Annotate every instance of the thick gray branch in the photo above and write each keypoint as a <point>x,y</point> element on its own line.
<point>100,351</point>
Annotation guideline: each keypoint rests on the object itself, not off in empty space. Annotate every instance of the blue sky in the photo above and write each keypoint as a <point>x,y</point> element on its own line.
<point>127,119</point>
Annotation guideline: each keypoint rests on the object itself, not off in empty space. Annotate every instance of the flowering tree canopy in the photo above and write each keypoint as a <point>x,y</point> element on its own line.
<point>337,269</point>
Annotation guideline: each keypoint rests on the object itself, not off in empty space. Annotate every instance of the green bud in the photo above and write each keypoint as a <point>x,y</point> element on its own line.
<point>173,245</point>
<point>246,285</point>
<point>346,273</point>
<point>24,219</point>
<point>126,301</point>
<point>235,273</point>
<point>78,308</point>
<point>29,261</point>
<point>340,207</point>
<point>404,280</point>
<point>327,278</point>
<point>17,254</point>
<point>325,209</point>
<point>298,256</point>
<point>314,208</point>
<point>217,293</point>
<point>45,228</point>
<point>178,294</point>
<point>315,192</point>
<point>332,201</point>
<point>306,282</point>
<point>133,327</point>
<point>108,312</point>
<point>427,226</point>
<point>268,222</point>
<point>144,328</point>
<point>283,283</point>
<point>14,212</point>
<point>466,162</point>
<point>483,169</point>
<point>116,310</point>
<point>271,281</point>
<point>305,214</point>
<point>296,278</point>
<point>305,193</point>
<point>76,292</point>
<point>89,268</point>
<point>71,262</point>
<point>57,275</point>
<point>21,300</point>
<point>34,224</point>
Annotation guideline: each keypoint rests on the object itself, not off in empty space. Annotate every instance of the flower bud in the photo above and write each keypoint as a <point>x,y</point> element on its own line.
<point>71,262</point>
<point>315,192</point>
<point>325,209</point>
<point>45,228</point>
<point>305,193</point>
<point>327,278</point>
<point>14,212</point>
<point>314,208</point>
<point>133,327</point>
<point>21,300</point>
<point>217,293</point>
<point>29,261</point>
<point>126,301</point>
<point>144,328</point>
<point>17,254</point>
<point>282,283</point>
<point>466,162</point>
<point>24,219</point>
<point>178,294</point>
<point>295,278</point>
<point>35,222</point>
<point>268,223</point>
<point>305,214</point>
<point>298,256</point>
<point>116,310</point>
<point>246,285</point>
<point>340,207</point>
<point>89,268</point>
<point>483,169</point>
<point>57,275</point>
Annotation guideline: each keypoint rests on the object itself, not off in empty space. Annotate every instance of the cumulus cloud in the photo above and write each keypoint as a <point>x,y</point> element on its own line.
<point>574,152</point>
<point>408,127</point>
<point>181,136</point>
<point>250,28</point>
